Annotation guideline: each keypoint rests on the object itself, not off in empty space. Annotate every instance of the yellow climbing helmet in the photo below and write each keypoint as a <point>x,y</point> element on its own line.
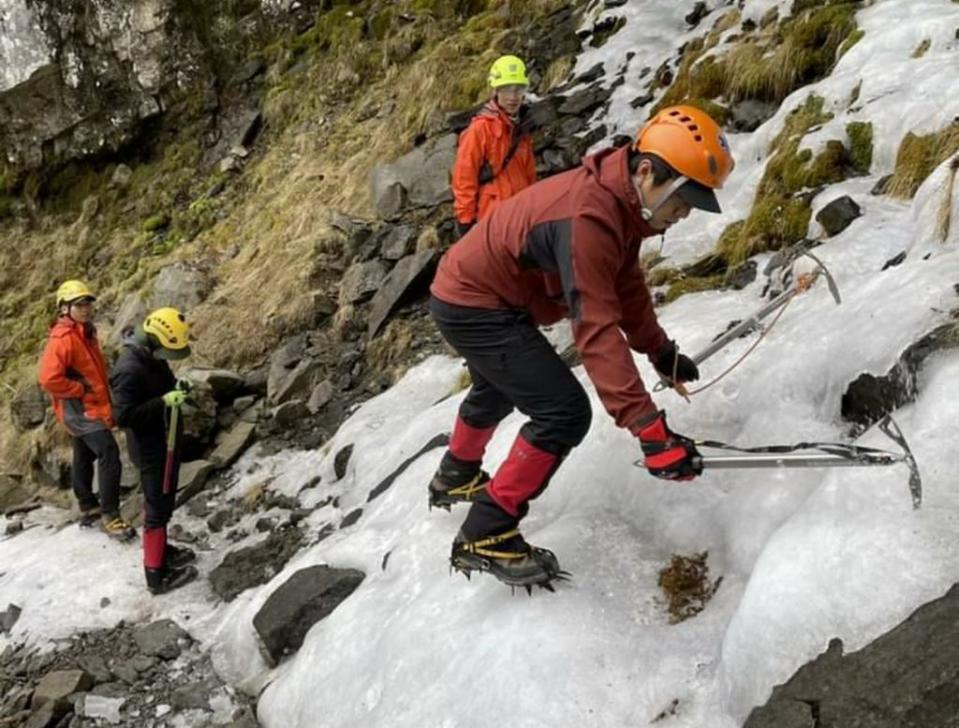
<point>508,71</point>
<point>70,291</point>
<point>168,328</point>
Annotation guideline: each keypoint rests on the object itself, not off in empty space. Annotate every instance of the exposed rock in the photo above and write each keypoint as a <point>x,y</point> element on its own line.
<point>418,179</point>
<point>404,280</point>
<point>28,407</point>
<point>592,74</point>
<point>132,312</point>
<point>700,11</point>
<point>297,383</point>
<point>12,493</point>
<point>321,396</point>
<point>441,440</point>
<point>838,214</point>
<point>641,101</point>
<point>743,275</point>
<point>224,384</point>
<point>162,639</point>
<point>9,617</point>
<point>121,177</point>
<point>906,677</point>
<point>46,716</point>
<point>289,413</point>
<point>199,421</point>
<point>397,241</point>
<point>304,599</point>
<point>281,362</point>
<point>352,517</point>
<point>749,114</point>
<point>255,565</point>
<point>248,71</point>
<point>56,686</point>
<point>361,281</point>
<point>193,477</point>
<point>870,398</point>
<point>180,285</point>
<point>341,460</point>
<point>233,444</point>
<point>585,101</point>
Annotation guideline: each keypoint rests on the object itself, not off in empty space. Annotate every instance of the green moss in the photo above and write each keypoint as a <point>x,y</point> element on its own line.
<point>860,145</point>
<point>851,40</point>
<point>918,156</point>
<point>156,222</point>
<point>693,285</point>
<point>6,206</point>
<point>922,48</point>
<point>663,275</point>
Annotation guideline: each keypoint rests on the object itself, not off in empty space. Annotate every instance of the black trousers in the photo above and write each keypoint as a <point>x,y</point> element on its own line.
<point>150,458</point>
<point>99,447</point>
<point>513,365</point>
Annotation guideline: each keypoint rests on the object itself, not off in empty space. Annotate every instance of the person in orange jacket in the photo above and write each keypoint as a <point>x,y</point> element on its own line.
<point>495,158</point>
<point>74,374</point>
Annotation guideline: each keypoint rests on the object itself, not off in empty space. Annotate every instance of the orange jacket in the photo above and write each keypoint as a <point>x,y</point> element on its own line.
<point>487,139</point>
<point>74,374</point>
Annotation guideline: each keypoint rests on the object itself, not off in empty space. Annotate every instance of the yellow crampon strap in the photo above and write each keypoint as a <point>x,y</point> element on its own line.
<point>478,547</point>
<point>470,489</point>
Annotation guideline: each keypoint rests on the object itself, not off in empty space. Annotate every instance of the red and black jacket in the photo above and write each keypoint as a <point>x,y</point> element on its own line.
<point>568,246</point>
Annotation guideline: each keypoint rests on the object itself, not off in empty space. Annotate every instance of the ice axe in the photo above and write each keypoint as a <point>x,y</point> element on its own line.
<point>818,455</point>
<point>804,278</point>
<point>170,463</point>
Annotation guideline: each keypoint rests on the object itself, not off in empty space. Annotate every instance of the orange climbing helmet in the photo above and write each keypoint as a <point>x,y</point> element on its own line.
<point>689,141</point>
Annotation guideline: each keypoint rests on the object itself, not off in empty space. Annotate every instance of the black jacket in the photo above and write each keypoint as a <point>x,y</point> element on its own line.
<point>138,382</point>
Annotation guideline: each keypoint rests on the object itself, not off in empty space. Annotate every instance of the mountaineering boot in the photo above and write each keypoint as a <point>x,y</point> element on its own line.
<point>456,481</point>
<point>175,557</point>
<point>113,525</point>
<point>509,558</point>
<point>166,579</point>
<point>89,517</point>
<point>490,541</point>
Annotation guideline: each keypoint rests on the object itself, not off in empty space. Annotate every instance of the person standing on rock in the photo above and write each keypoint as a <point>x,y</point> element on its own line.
<point>494,159</point>
<point>145,394</point>
<point>74,373</point>
<point>566,247</point>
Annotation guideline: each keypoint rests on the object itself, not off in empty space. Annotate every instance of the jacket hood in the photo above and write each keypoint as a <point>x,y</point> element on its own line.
<point>610,167</point>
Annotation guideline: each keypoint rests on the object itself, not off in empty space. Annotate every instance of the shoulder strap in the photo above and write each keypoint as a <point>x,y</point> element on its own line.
<point>486,173</point>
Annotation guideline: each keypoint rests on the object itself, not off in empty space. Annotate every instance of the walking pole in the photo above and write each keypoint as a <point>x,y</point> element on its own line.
<point>803,283</point>
<point>821,455</point>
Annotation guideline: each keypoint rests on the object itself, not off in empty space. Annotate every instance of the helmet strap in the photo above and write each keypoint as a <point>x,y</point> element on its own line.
<point>648,212</point>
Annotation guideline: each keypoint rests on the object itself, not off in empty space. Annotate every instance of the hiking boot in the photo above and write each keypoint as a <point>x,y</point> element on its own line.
<point>89,517</point>
<point>456,481</point>
<point>161,581</point>
<point>509,558</point>
<point>114,526</point>
<point>175,557</point>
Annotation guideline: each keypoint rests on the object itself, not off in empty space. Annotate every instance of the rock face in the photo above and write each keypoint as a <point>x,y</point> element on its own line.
<point>907,677</point>
<point>305,598</point>
<point>77,79</point>
<point>417,179</point>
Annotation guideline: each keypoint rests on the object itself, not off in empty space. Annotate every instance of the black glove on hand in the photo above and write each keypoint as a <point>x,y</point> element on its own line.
<point>463,227</point>
<point>669,359</point>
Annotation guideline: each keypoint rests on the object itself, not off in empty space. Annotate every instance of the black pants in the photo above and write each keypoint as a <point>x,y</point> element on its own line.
<point>150,458</point>
<point>100,447</point>
<point>513,365</point>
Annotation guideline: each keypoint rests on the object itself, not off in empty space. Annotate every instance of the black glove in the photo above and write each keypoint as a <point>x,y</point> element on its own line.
<point>668,456</point>
<point>463,227</point>
<point>668,359</point>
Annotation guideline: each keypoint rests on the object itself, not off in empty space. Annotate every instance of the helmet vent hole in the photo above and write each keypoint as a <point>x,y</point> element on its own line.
<point>684,119</point>
<point>693,127</point>
<point>698,138</point>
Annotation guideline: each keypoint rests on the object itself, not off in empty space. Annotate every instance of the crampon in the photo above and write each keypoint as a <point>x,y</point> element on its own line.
<point>444,495</point>
<point>523,566</point>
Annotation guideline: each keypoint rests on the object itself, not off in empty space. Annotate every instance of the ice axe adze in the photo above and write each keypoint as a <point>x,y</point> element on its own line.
<point>818,455</point>
<point>803,282</point>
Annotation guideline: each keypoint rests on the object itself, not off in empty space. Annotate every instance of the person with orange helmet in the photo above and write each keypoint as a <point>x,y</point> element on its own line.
<point>567,246</point>
<point>494,159</point>
<point>74,374</point>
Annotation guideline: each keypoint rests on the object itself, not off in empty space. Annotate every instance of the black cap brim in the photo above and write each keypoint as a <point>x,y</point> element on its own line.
<point>171,354</point>
<point>699,196</point>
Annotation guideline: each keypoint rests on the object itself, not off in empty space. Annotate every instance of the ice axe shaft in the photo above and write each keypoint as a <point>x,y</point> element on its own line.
<point>792,460</point>
<point>170,450</point>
